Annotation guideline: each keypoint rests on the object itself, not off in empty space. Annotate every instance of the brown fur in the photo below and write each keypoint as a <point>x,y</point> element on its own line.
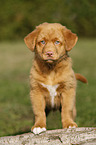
<point>52,70</point>
<point>81,78</point>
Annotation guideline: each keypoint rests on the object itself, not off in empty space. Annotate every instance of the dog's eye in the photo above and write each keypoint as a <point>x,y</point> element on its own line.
<point>57,42</point>
<point>42,42</point>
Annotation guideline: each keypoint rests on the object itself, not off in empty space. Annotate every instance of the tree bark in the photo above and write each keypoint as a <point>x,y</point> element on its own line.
<point>73,136</point>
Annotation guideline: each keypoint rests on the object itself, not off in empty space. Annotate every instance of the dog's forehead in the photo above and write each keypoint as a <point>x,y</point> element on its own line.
<point>51,31</point>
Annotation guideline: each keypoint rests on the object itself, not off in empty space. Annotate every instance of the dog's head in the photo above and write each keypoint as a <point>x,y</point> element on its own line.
<point>50,41</point>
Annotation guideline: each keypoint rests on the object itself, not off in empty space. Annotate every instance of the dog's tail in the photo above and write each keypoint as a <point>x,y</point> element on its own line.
<point>81,78</point>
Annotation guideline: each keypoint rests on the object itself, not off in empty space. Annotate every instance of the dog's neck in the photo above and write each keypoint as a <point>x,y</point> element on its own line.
<point>44,66</point>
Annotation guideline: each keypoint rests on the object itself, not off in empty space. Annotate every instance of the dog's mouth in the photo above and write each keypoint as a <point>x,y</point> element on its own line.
<point>58,59</point>
<point>50,60</point>
<point>49,56</point>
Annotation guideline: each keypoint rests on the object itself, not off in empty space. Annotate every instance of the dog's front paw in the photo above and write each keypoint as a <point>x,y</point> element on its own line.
<point>72,126</point>
<point>69,124</point>
<point>38,130</point>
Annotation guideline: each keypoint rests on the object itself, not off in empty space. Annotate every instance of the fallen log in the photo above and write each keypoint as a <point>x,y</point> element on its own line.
<point>71,136</point>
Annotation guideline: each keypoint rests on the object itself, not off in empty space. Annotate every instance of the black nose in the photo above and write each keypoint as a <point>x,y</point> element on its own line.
<point>49,53</point>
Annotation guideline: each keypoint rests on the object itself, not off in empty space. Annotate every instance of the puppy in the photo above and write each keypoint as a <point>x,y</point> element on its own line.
<point>52,80</point>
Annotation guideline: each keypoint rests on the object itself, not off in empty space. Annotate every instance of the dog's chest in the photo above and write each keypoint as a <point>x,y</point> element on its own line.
<point>52,91</point>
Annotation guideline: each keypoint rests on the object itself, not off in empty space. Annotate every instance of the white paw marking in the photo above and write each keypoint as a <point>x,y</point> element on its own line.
<point>72,126</point>
<point>52,91</point>
<point>38,130</point>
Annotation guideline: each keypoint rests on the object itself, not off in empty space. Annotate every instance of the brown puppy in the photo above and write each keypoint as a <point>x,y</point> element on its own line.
<point>52,80</point>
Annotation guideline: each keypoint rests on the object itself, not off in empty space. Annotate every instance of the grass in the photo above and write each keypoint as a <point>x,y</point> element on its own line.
<point>15,107</point>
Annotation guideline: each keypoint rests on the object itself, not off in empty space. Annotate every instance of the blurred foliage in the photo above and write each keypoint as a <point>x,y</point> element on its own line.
<point>19,17</point>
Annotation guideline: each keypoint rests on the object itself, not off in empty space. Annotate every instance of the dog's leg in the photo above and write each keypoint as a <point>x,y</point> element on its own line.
<point>38,104</point>
<point>68,100</point>
<point>74,112</point>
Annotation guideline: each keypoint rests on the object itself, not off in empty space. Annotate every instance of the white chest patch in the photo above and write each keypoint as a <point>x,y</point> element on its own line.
<point>52,91</point>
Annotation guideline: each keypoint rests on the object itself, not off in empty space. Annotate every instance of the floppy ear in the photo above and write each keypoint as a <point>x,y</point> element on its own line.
<point>30,39</point>
<point>70,39</point>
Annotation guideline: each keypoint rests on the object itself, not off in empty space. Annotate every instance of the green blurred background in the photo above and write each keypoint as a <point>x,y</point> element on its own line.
<point>17,19</point>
